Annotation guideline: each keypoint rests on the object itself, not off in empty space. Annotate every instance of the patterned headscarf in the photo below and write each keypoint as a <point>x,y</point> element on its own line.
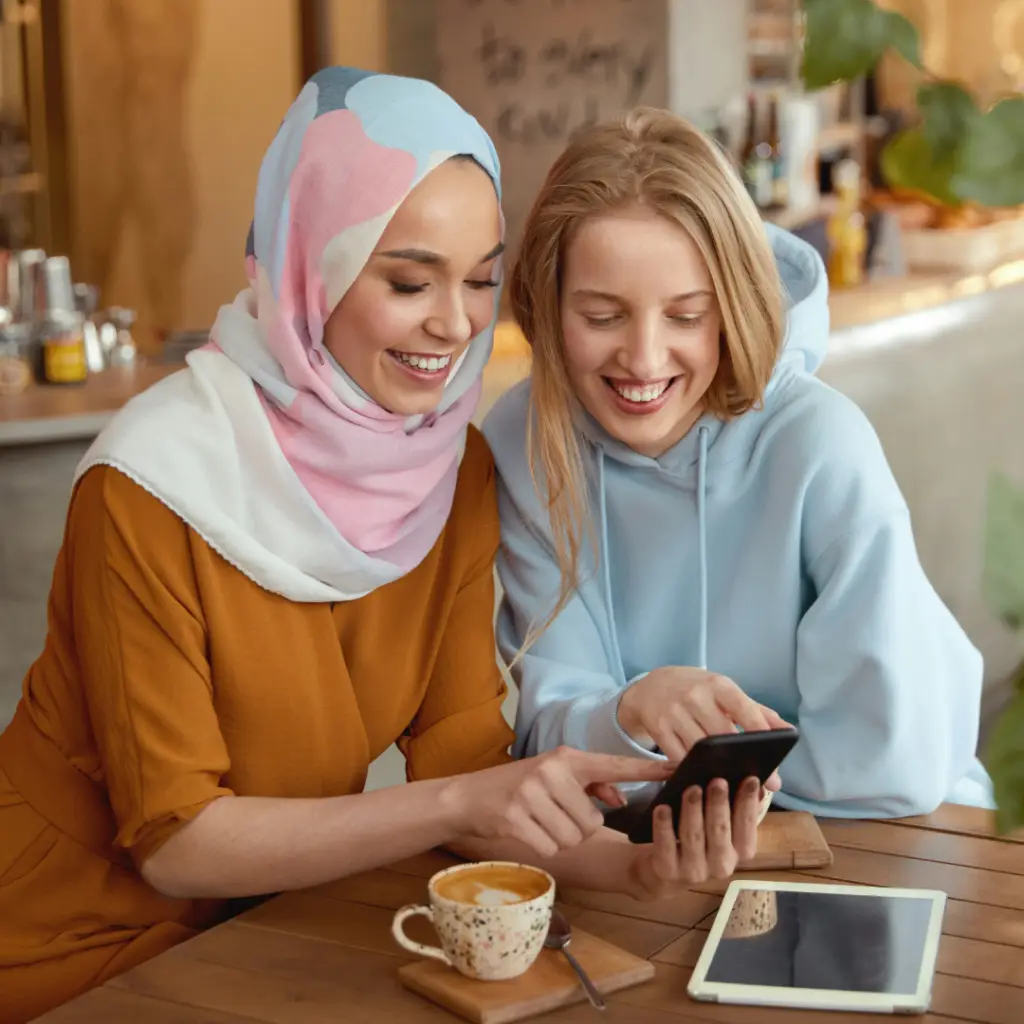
<point>303,482</point>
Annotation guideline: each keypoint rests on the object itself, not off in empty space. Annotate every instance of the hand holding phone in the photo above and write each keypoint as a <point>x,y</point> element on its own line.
<point>674,706</point>
<point>733,757</point>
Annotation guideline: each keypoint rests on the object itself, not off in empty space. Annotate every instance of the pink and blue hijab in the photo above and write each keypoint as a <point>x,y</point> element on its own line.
<point>303,482</point>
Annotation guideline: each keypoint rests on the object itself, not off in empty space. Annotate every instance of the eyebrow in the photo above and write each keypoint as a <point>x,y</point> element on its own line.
<point>589,293</point>
<point>434,259</point>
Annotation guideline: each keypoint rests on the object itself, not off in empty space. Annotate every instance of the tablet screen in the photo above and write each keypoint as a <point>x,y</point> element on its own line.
<point>824,940</point>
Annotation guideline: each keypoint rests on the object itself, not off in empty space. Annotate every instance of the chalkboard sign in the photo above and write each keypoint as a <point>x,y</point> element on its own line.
<point>532,72</point>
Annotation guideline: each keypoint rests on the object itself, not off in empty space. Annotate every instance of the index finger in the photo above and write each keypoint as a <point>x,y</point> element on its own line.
<point>746,713</point>
<point>593,768</point>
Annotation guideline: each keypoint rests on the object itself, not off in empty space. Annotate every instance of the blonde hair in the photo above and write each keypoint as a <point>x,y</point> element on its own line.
<point>655,159</point>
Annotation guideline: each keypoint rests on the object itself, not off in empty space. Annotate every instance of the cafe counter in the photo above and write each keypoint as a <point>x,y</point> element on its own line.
<point>46,413</point>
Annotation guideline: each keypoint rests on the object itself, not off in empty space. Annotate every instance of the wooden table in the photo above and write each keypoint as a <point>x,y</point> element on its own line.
<point>327,955</point>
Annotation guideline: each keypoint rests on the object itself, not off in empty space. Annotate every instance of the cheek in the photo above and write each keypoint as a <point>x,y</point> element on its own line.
<point>702,354</point>
<point>585,352</point>
<point>479,306</point>
<point>380,323</point>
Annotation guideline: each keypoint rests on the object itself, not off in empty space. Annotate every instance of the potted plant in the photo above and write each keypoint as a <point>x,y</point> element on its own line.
<point>1004,591</point>
<point>965,163</point>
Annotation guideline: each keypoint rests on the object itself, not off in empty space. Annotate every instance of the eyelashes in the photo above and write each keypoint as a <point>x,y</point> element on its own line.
<point>405,288</point>
<point>687,320</point>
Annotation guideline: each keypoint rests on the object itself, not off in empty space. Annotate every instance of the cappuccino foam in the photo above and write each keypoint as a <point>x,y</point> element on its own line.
<point>492,885</point>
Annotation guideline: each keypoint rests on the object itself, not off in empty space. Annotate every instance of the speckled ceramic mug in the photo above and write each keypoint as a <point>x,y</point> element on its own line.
<point>491,917</point>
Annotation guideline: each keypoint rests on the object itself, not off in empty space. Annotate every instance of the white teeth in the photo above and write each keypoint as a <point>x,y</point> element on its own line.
<point>648,393</point>
<point>428,363</point>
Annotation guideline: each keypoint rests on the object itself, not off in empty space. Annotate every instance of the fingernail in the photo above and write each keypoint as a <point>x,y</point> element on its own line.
<point>693,795</point>
<point>751,786</point>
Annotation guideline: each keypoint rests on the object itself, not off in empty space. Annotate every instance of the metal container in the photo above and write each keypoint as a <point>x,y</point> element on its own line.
<point>54,289</point>
<point>17,281</point>
<point>86,300</point>
<point>19,357</point>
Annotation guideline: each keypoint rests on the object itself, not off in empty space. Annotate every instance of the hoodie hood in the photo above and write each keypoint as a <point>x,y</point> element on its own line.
<point>805,288</point>
<point>805,285</point>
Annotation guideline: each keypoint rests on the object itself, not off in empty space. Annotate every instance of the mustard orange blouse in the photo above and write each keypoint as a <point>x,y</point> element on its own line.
<point>170,679</point>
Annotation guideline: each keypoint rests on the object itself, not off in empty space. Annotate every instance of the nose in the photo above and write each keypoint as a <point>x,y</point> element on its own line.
<point>448,320</point>
<point>644,354</point>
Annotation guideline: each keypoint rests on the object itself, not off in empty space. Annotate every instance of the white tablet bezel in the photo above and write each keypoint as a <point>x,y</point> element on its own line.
<point>817,999</point>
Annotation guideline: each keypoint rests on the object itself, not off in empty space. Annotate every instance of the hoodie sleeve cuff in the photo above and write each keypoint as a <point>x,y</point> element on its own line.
<point>606,735</point>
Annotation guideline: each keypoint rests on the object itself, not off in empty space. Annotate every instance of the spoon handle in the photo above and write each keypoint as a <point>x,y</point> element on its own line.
<point>592,994</point>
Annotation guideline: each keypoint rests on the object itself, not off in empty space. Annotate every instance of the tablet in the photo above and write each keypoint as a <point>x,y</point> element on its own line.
<point>822,947</point>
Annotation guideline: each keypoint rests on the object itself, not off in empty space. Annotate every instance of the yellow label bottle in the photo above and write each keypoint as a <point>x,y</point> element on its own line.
<point>64,359</point>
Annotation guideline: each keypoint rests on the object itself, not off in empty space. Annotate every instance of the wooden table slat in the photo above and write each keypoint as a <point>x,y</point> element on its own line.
<point>862,867</point>
<point>926,844</point>
<point>965,820</point>
<point>108,1005</point>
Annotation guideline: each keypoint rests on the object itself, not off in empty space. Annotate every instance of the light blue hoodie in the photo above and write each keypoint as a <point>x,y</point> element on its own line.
<point>776,550</point>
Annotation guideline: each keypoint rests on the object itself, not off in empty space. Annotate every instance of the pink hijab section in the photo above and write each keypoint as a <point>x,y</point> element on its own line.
<point>351,148</point>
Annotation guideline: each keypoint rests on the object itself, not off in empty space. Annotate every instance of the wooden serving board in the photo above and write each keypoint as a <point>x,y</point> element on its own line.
<point>789,840</point>
<point>549,984</point>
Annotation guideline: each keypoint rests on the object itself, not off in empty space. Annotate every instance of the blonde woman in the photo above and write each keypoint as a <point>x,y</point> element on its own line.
<point>698,535</point>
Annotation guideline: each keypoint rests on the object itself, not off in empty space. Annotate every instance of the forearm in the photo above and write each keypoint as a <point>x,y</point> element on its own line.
<point>601,863</point>
<point>248,846</point>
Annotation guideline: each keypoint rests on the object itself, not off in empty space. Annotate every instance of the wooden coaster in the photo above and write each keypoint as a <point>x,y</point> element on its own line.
<point>789,840</point>
<point>549,984</point>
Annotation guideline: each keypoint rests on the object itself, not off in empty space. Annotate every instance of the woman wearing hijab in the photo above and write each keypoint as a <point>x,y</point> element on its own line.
<point>277,563</point>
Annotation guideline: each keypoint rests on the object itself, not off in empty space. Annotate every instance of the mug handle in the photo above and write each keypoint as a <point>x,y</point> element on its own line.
<point>434,952</point>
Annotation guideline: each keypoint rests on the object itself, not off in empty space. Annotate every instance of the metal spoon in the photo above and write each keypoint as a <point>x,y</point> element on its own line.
<point>559,937</point>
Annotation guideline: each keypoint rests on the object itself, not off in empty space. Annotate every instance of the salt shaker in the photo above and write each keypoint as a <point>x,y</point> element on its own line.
<point>125,352</point>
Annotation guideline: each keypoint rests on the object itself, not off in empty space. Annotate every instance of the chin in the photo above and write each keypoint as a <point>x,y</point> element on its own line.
<point>645,442</point>
<point>402,403</point>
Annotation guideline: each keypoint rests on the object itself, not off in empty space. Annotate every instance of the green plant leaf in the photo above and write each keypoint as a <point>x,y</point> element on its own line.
<point>991,170</point>
<point>948,110</point>
<point>908,162</point>
<point>1004,760</point>
<point>845,39</point>
<point>1003,571</point>
<point>903,37</point>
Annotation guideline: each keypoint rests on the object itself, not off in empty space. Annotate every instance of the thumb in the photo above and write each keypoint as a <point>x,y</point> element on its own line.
<point>593,768</point>
<point>607,794</point>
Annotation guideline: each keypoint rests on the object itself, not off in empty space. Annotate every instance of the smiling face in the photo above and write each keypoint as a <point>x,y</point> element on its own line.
<point>425,293</point>
<point>641,326</point>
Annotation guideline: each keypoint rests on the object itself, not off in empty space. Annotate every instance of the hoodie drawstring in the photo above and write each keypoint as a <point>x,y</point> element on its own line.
<point>702,641</point>
<point>605,566</point>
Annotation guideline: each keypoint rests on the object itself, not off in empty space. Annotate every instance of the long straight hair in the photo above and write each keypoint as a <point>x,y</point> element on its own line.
<point>655,159</point>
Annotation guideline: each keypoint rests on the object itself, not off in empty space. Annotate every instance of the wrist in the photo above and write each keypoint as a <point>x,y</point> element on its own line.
<point>455,806</point>
<point>626,715</point>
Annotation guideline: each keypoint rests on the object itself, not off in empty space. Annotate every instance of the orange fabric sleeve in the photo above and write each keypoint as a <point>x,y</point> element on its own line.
<point>140,638</point>
<point>459,726</point>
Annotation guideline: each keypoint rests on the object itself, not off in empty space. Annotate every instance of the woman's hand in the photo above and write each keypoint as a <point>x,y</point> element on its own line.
<point>712,841</point>
<point>545,801</point>
<point>674,707</point>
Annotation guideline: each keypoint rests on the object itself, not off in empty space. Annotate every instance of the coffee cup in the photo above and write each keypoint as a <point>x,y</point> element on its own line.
<point>492,918</point>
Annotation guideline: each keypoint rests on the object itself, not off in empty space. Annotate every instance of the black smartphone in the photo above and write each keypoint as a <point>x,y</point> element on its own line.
<point>734,757</point>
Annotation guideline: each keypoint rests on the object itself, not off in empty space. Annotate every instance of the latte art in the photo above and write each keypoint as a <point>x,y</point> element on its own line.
<point>493,885</point>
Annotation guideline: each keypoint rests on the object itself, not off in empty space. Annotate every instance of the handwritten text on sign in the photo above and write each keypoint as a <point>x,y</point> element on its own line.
<point>533,72</point>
